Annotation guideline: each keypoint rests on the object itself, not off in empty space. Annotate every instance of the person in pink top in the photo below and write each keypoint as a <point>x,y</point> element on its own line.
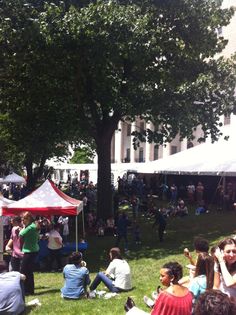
<point>175,299</point>
<point>14,245</point>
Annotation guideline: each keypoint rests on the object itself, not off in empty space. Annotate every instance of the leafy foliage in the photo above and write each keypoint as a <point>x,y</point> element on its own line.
<point>88,64</point>
<point>82,155</point>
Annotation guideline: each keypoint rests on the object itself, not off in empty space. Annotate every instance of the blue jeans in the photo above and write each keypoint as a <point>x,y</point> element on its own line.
<point>101,277</point>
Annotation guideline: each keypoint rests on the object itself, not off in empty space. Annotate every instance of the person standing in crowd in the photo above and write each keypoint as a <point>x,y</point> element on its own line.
<point>64,221</point>
<point>76,277</point>
<point>174,194</point>
<point>160,220</point>
<point>191,193</point>
<point>225,269</point>
<point>30,236</point>
<point>6,227</point>
<point>14,245</point>
<point>11,294</point>
<point>199,193</point>
<point>122,226</point>
<point>135,205</point>
<point>54,246</point>
<point>117,277</point>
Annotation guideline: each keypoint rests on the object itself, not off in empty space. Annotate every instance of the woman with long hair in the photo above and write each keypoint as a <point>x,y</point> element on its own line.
<point>225,267</point>
<point>174,300</point>
<point>204,275</point>
<point>117,276</point>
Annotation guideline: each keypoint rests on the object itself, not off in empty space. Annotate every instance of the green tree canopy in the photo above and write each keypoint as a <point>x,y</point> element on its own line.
<point>112,60</point>
<point>82,155</point>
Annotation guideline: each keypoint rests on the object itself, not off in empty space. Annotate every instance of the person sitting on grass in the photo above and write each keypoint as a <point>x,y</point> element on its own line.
<point>175,300</point>
<point>204,275</point>
<point>181,210</point>
<point>76,277</point>
<point>117,277</point>
<point>201,245</point>
<point>214,302</point>
<point>11,293</point>
<point>225,267</point>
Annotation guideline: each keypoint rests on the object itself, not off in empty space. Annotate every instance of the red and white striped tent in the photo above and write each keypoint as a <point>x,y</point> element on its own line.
<point>45,200</point>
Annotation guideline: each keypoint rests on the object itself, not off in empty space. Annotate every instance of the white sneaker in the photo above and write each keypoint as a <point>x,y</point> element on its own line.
<point>149,302</point>
<point>154,295</point>
<point>34,302</point>
<point>92,294</point>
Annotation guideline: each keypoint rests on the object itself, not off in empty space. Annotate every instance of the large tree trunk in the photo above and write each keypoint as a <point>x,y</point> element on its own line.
<point>33,177</point>
<point>104,192</point>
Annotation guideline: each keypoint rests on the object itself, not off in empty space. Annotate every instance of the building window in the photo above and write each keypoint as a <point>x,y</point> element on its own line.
<point>128,130</point>
<point>155,155</point>
<point>173,149</point>
<point>227,119</point>
<point>141,159</point>
<point>127,159</point>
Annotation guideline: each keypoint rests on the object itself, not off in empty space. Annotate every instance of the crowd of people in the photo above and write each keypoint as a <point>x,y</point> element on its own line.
<point>211,282</point>
<point>211,279</point>
<point>212,276</point>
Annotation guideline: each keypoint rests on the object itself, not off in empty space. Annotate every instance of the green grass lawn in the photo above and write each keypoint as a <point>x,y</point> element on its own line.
<point>145,261</point>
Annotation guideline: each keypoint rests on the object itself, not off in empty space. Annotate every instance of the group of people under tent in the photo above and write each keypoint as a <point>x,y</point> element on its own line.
<point>211,280</point>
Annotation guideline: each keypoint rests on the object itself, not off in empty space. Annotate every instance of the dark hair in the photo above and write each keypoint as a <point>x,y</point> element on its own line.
<point>75,258</point>
<point>222,244</point>
<point>56,226</point>
<point>16,219</point>
<point>226,241</point>
<point>3,266</point>
<point>205,266</point>
<point>115,253</point>
<point>201,245</point>
<point>214,302</point>
<point>175,270</point>
<point>213,250</point>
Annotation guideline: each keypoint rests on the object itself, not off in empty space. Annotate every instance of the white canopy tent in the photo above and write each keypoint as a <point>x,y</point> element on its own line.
<point>13,178</point>
<point>3,202</point>
<point>217,159</point>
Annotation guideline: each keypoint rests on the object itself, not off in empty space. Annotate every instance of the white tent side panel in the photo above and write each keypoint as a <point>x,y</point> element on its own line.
<point>217,159</point>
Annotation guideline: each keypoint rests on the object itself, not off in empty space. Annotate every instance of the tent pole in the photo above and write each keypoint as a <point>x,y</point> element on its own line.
<point>1,239</point>
<point>83,223</point>
<point>76,233</point>
<point>224,191</point>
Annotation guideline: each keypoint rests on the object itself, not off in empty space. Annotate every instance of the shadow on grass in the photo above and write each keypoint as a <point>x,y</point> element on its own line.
<point>47,291</point>
<point>180,233</point>
<point>30,308</point>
